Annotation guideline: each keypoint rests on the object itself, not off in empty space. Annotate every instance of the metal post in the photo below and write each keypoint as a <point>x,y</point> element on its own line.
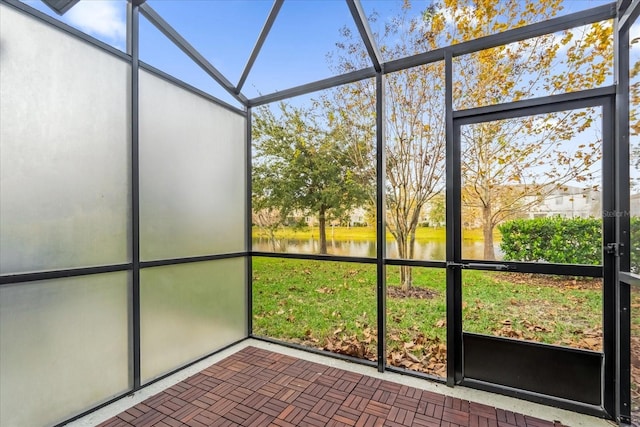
<point>381,173</point>
<point>622,312</point>
<point>610,260</point>
<point>248,220</point>
<point>453,230</point>
<point>133,50</point>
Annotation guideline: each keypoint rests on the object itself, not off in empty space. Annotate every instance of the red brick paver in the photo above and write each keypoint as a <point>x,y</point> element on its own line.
<point>256,387</point>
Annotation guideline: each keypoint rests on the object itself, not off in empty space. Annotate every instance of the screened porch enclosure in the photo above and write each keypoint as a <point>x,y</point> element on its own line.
<point>131,203</point>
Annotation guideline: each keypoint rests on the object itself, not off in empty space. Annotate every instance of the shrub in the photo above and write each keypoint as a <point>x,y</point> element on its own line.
<point>554,240</point>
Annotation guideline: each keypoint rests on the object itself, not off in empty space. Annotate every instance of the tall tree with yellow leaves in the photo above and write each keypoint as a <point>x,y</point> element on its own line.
<point>509,166</point>
<point>500,159</point>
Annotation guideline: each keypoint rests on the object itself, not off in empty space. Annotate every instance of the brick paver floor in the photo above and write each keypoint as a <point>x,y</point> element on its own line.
<point>256,387</point>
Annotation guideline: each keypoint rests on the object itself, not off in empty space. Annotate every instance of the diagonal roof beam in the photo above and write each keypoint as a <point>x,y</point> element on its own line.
<point>60,6</point>
<point>629,15</point>
<point>277,4</point>
<point>362,23</point>
<point>191,52</point>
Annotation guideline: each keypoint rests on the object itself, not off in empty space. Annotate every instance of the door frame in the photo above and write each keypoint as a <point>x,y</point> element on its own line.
<point>604,98</point>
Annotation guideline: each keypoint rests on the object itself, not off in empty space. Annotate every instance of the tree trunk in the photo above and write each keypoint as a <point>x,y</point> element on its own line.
<point>487,231</point>
<point>322,226</point>
<point>405,251</point>
<point>272,238</point>
<point>406,277</point>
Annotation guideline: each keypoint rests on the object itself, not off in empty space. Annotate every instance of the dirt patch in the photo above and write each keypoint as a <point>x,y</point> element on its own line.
<point>414,292</point>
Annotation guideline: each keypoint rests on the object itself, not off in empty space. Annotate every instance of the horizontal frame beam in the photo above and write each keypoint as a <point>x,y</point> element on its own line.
<point>188,260</point>
<point>570,405</point>
<point>17,278</point>
<point>629,278</point>
<point>553,104</point>
<point>544,268</point>
<point>561,23</point>
<point>314,257</point>
<point>10,279</point>
<point>354,76</point>
<point>536,102</point>
<point>415,263</point>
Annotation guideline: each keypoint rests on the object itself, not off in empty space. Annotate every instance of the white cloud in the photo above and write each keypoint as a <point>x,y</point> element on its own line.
<point>451,16</point>
<point>100,18</point>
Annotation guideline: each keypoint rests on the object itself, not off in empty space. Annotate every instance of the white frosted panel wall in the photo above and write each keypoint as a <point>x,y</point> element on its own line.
<point>192,173</point>
<point>64,150</point>
<point>64,347</point>
<point>188,311</point>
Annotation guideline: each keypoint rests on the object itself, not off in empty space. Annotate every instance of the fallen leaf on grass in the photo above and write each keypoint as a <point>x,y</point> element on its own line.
<point>535,328</point>
<point>509,332</point>
<point>592,343</point>
<point>430,358</point>
<point>412,357</point>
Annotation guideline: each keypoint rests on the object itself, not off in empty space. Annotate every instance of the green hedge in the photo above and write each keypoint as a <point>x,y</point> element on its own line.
<point>561,240</point>
<point>555,240</point>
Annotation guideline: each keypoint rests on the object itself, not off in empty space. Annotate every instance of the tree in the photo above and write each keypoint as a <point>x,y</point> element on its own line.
<point>415,148</point>
<point>300,166</point>
<point>509,165</point>
<point>437,210</point>
<point>494,160</point>
<point>267,218</point>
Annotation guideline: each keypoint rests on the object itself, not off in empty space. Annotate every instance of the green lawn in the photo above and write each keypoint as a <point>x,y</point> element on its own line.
<point>332,305</point>
<point>423,234</point>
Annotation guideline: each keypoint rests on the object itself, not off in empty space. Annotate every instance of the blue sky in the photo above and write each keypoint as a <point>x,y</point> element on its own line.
<point>225,31</point>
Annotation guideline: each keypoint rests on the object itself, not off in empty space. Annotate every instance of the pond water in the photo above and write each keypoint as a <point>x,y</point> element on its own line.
<point>433,250</point>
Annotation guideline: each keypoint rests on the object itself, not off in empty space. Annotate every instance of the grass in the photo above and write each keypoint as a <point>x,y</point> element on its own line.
<point>332,305</point>
<point>308,301</point>
<point>536,308</point>
<point>423,234</point>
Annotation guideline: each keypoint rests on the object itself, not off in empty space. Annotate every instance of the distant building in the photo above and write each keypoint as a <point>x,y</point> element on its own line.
<point>635,204</point>
<point>568,202</point>
<point>356,217</point>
